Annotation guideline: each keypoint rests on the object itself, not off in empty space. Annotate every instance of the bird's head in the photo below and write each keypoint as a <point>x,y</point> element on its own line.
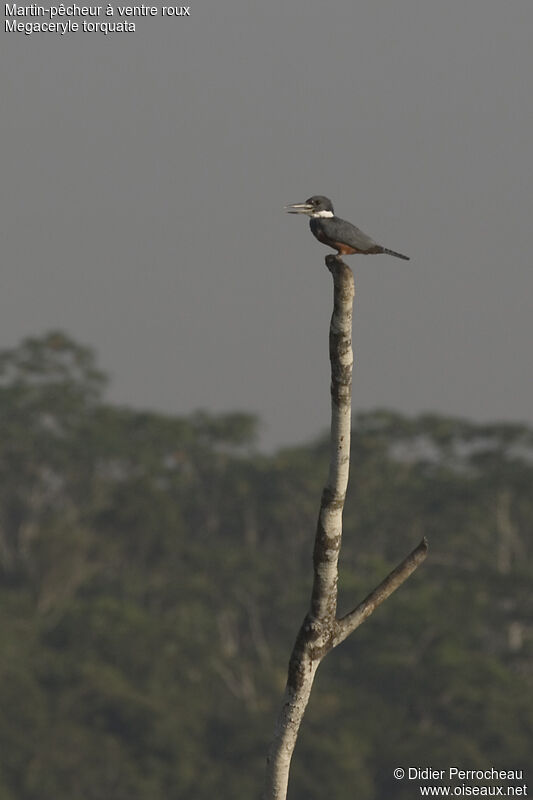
<point>315,206</point>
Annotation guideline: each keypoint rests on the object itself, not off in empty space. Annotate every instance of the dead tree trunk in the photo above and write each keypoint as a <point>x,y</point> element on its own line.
<point>321,631</point>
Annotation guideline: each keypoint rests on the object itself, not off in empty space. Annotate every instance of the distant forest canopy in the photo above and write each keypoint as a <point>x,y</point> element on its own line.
<point>154,571</point>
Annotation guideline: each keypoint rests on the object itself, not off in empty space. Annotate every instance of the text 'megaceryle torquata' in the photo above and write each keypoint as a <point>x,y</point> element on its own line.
<point>334,232</point>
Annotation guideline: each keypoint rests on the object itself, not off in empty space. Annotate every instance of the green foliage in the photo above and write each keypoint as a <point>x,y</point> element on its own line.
<point>154,571</point>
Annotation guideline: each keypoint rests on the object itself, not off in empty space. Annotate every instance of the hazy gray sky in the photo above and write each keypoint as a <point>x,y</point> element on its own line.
<point>144,176</point>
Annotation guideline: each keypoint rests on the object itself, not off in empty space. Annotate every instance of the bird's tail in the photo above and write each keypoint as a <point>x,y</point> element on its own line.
<point>394,253</point>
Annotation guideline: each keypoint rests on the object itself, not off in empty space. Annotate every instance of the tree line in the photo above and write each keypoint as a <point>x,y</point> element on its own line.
<point>146,616</point>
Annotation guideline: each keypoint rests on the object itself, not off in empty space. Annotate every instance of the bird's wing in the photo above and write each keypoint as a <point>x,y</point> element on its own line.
<point>348,233</point>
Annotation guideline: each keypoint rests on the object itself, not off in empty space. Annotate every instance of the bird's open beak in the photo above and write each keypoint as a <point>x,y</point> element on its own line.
<point>299,208</point>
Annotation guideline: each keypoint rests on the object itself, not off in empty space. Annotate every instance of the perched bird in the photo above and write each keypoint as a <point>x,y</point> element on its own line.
<point>334,232</point>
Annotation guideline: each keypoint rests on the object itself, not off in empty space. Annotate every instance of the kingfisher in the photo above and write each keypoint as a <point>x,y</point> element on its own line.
<point>335,232</point>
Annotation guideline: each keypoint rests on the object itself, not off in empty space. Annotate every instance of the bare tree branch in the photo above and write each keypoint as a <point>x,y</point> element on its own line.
<point>321,631</point>
<point>347,624</point>
<point>329,528</point>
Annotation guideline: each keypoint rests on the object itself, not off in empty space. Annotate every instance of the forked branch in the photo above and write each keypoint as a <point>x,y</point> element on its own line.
<point>321,631</point>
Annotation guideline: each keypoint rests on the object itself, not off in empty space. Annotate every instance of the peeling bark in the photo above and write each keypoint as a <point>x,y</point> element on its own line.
<point>321,631</point>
